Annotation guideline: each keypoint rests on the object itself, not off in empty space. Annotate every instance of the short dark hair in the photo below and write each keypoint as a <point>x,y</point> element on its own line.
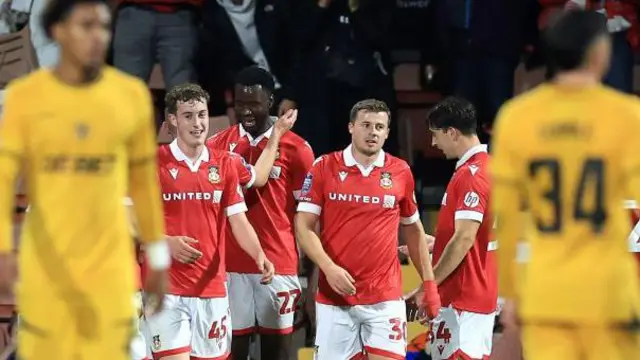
<point>371,106</point>
<point>568,38</point>
<point>57,11</point>
<point>255,75</point>
<point>453,112</point>
<point>183,93</point>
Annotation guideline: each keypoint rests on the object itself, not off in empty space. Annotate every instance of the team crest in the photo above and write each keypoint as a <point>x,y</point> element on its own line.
<point>156,342</point>
<point>82,130</point>
<point>385,180</point>
<point>214,175</point>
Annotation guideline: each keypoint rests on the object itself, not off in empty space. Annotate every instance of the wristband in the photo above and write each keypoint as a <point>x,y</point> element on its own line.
<point>158,255</point>
<point>431,298</point>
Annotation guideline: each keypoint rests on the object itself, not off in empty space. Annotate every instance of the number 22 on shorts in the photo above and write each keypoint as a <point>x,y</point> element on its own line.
<point>290,301</point>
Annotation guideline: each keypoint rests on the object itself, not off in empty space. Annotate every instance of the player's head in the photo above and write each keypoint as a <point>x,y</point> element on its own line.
<point>578,40</point>
<point>369,126</point>
<point>253,98</point>
<point>187,111</point>
<point>452,121</point>
<point>82,28</point>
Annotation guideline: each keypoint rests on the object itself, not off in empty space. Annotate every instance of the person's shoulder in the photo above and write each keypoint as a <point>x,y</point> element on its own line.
<point>329,159</point>
<point>222,137</point>
<point>120,78</point>
<point>163,153</point>
<point>29,82</point>
<point>294,139</point>
<point>395,162</point>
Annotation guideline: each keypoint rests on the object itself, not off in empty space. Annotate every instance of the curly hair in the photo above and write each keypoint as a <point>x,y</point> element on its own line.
<point>184,93</point>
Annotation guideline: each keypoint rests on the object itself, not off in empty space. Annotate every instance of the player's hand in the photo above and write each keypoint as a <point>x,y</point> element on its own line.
<point>430,301</point>
<point>285,122</point>
<point>286,105</point>
<point>266,268</point>
<point>154,290</point>
<point>182,250</point>
<point>8,273</point>
<point>340,280</point>
<point>509,315</point>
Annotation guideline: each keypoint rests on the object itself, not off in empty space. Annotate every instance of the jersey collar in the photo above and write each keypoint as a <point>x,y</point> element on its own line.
<point>349,160</point>
<point>467,155</point>
<point>180,156</point>
<point>256,141</point>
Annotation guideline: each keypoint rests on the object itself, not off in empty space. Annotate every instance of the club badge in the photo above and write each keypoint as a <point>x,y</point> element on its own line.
<point>214,175</point>
<point>156,342</point>
<point>385,180</point>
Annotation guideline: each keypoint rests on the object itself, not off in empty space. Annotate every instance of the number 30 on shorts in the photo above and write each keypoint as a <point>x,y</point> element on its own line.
<point>398,329</point>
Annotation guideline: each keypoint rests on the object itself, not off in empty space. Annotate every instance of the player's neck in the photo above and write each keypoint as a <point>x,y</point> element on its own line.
<point>362,159</point>
<point>466,143</point>
<point>74,75</point>
<point>266,125</point>
<point>191,152</point>
<point>576,79</point>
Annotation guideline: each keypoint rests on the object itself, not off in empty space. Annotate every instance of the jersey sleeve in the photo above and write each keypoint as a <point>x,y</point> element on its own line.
<point>631,165</point>
<point>144,185</point>
<point>472,195</point>
<point>232,197</point>
<point>311,193</point>
<point>246,172</point>
<point>507,197</point>
<point>12,149</point>
<point>301,165</point>
<point>409,213</point>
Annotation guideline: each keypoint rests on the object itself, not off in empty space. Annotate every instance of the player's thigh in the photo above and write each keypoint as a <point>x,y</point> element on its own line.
<point>475,334</point>
<point>210,328</point>
<point>45,330</point>
<point>276,303</point>
<point>609,343</point>
<point>542,342</point>
<point>337,333</point>
<point>169,332</point>
<point>383,330</point>
<point>243,311</point>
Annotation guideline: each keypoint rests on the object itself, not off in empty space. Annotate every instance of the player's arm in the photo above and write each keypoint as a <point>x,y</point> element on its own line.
<point>307,221</point>
<point>144,187</point>
<point>507,198</point>
<point>12,152</point>
<point>268,157</point>
<point>235,209</point>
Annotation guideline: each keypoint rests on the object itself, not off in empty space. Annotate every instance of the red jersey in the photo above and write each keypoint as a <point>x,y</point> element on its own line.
<point>473,285</point>
<point>272,207</point>
<point>360,210</point>
<point>198,197</point>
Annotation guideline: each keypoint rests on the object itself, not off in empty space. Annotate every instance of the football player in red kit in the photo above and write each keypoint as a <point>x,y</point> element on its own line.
<point>268,310</point>
<point>463,253</point>
<point>360,196</point>
<point>200,192</point>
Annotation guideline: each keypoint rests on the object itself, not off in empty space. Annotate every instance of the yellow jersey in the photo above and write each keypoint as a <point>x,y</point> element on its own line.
<point>80,149</point>
<point>570,156</point>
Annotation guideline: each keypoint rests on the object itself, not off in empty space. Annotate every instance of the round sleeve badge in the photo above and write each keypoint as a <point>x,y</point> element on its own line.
<point>471,199</point>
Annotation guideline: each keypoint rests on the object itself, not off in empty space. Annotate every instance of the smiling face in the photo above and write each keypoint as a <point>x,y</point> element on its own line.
<point>191,121</point>
<point>252,105</point>
<point>369,130</point>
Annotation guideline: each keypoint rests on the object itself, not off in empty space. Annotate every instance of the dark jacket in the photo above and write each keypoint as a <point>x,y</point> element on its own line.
<point>222,52</point>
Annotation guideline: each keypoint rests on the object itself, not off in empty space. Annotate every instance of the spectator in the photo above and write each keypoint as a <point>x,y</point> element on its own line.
<point>150,31</point>
<point>47,51</point>
<point>622,22</point>
<point>239,33</point>
<point>345,58</point>
<point>481,45</point>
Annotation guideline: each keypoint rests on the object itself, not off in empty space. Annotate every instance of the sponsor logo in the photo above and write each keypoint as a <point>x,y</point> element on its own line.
<point>471,199</point>
<point>184,196</point>
<point>306,185</point>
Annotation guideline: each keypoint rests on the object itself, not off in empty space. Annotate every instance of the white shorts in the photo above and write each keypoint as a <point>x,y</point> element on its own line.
<point>344,332</point>
<point>457,334</point>
<point>266,309</point>
<point>139,348</point>
<point>200,327</point>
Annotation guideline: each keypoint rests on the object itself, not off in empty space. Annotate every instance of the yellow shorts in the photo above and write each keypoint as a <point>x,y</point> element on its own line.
<point>547,342</point>
<point>82,328</point>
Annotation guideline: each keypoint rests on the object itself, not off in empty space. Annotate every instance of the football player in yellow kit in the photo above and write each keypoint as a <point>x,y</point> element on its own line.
<point>567,149</point>
<point>82,136</point>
